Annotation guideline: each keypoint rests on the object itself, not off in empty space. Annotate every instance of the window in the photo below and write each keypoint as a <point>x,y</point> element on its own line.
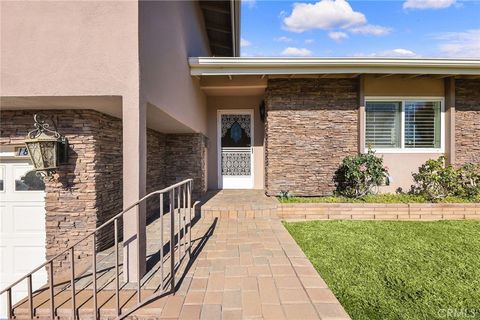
<point>383,124</point>
<point>422,124</point>
<point>409,125</point>
<point>26,180</point>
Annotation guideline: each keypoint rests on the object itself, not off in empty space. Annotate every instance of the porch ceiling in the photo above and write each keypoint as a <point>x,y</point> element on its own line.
<point>332,66</point>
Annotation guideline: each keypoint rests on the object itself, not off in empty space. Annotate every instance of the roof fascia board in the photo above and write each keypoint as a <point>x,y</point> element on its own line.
<point>261,66</point>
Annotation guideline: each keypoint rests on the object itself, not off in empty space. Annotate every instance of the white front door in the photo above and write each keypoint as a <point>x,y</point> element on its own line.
<point>22,227</point>
<point>235,142</point>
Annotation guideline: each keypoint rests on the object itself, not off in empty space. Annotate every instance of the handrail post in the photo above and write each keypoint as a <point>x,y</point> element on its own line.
<point>94,266</point>
<point>52,294</point>
<point>72,282</point>
<point>161,241</point>
<point>9,304</point>
<point>139,277</point>
<point>189,202</point>
<point>117,297</point>
<point>172,240</point>
<point>184,218</point>
<point>179,210</point>
<point>30,298</point>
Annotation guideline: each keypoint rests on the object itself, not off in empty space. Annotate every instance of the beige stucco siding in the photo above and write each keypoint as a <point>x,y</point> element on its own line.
<point>69,48</point>
<point>216,103</point>
<point>399,86</point>
<point>170,32</point>
<point>402,165</point>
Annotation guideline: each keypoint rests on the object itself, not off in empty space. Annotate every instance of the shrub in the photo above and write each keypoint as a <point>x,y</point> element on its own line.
<point>360,175</point>
<point>285,195</point>
<point>469,180</point>
<point>436,181</point>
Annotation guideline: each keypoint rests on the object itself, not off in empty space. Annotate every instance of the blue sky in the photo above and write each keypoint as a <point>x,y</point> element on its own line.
<point>339,28</point>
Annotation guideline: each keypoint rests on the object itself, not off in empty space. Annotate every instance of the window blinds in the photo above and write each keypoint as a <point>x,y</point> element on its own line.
<point>383,122</point>
<point>422,124</point>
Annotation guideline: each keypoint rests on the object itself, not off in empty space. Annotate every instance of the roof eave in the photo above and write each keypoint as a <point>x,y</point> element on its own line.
<point>264,66</point>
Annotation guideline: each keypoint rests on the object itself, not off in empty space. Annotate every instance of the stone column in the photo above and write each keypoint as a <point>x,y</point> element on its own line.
<point>134,187</point>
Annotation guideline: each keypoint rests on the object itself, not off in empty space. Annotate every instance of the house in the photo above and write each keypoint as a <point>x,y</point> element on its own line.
<point>150,93</point>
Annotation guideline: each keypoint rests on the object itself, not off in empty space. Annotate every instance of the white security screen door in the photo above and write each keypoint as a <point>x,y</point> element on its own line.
<point>235,132</point>
<point>22,227</point>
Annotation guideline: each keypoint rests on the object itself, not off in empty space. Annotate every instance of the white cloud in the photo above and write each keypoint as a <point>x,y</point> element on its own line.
<point>328,15</point>
<point>371,29</point>
<point>428,4</point>
<point>460,44</point>
<point>244,43</point>
<point>283,39</point>
<point>395,53</point>
<point>298,52</point>
<point>337,35</point>
<point>400,52</point>
<point>325,14</point>
<point>309,41</point>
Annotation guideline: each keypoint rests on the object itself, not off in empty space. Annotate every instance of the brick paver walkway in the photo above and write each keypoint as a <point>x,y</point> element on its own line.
<point>244,266</point>
<point>250,268</point>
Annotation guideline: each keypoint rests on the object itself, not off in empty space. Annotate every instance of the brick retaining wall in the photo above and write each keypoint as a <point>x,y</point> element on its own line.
<point>373,211</point>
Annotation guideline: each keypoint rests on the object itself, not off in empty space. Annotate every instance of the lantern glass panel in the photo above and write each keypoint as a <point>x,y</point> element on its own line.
<point>35,153</point>
<point>49,154</point>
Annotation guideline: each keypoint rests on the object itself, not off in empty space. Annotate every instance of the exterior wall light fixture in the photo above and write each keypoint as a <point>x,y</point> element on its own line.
<point>47,148</point>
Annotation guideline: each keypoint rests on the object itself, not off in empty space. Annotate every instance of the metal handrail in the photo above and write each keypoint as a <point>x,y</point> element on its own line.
<point>186,183</point>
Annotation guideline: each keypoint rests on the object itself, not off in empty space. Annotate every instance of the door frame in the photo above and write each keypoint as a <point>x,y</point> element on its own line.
<point>251,112</point>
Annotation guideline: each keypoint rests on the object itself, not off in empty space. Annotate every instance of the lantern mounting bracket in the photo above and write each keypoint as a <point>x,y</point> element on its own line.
<point>42,126</point>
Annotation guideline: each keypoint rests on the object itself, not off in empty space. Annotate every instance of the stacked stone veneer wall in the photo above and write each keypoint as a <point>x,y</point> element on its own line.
<point>88,190</point>
<point>156,157</point>
<point>358,211</point>
<point>186,156</point>
<point>312,124</point>
<point>467,121</point>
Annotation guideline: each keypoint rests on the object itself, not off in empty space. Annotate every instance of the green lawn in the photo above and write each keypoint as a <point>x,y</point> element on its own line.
<point>397,270</point>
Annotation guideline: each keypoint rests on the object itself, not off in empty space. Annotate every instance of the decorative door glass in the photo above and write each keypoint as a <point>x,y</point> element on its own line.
<point>236,144</point>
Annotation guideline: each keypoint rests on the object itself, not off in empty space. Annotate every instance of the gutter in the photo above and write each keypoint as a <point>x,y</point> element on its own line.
<point>265,66</point>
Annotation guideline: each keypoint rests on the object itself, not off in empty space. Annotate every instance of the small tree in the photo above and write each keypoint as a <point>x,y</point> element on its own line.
<point>360,175</point>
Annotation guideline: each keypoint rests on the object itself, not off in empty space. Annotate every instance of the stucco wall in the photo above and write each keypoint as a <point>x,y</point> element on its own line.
<point>69,48</point>
<point>467,121</point>
<point>312,124</point>
<point>399,86</point>
<point>170,32</point>
<point>216,103</point>
<point>402,165</point>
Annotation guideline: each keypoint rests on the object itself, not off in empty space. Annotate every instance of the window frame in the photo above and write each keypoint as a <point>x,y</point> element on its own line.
<point>403,100</point>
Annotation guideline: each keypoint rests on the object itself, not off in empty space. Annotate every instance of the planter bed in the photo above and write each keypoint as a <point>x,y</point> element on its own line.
<point>379,211</point>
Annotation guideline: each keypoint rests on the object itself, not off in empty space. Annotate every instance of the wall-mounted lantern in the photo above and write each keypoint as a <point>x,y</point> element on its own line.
<point>46,147</point>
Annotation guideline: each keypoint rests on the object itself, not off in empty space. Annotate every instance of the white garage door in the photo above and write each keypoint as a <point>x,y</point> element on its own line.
<point>22,227</point>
